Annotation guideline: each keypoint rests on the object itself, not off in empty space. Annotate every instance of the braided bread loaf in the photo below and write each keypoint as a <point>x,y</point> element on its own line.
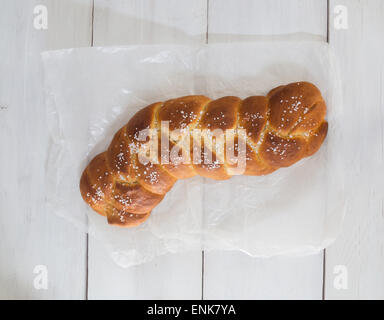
<point>281,128</point>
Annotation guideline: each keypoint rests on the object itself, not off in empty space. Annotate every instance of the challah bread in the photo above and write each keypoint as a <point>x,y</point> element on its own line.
<point>273,131</point>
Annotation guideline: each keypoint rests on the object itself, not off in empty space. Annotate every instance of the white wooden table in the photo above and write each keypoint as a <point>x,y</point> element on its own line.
<point>78,267</point>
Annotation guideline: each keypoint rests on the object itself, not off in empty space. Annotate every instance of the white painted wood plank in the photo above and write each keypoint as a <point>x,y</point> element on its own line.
<point>360,247</point>
<point>247,20</point>
<point>232,275</point>
<point>30,235</point>
<point>133,22</point>
<point>176,276</point>
<point>122,22</point>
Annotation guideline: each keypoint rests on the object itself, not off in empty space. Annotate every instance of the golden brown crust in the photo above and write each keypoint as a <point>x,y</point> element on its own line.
<point>255,164</point>
<point>220,114</point>
<point>96,184</point>
<point>280,129</point>
<point>211,168</point>
<point>281,152</point>
<point>316,139</point>
<point>143,119</point>
<point>253,116</point>
<point>296,108</point>
<point>134,198</point>
<point>180,170</point>
<point>123,218</point>
<point>119,155</point>
<point>153,177</point>
<point>182,112</point>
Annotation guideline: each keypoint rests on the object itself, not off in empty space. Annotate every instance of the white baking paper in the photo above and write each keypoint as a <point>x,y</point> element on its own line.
<point>92,92</point>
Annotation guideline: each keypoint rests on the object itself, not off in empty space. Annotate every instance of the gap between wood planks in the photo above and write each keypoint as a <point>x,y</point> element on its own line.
<point>325,250</point>
<point>203,252</point>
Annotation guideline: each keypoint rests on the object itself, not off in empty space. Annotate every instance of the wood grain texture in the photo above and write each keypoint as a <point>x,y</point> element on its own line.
<point>30,235</point>
<point>360,247</point>
<point>135,22</point>
<point>233,275</point>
